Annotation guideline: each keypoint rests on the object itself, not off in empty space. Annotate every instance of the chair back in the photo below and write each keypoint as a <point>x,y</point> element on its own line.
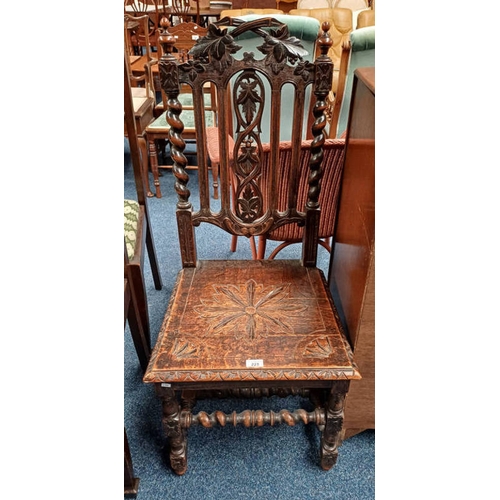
<point>243,86</point>
<point>138,45</point>
<point>186,34</point>
<point>306,29</point>
<point>181,11</point>
<point>286,5</point>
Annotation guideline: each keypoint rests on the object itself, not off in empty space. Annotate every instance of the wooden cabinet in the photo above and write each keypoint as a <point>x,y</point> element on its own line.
<point>352,265</point>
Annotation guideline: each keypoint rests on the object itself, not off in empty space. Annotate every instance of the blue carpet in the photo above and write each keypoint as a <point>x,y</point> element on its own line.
<point>227,463</point>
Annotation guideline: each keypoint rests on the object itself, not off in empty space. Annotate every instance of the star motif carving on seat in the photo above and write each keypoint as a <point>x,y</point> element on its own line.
<point>251,310</point>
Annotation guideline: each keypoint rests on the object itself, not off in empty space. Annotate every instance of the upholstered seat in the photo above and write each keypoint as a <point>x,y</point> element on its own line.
<point>131,212</point>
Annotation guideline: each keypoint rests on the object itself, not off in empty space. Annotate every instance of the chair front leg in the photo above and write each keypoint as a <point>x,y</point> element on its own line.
<point>331,435</point>
<point>175,434</point>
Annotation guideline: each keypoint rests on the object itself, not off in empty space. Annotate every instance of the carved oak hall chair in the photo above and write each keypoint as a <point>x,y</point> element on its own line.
<point>249,327</point>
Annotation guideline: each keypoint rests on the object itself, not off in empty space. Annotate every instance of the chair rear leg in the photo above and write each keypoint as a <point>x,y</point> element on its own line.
<point>153,261</point>
<point>140,339</point>
<point>215,176</point>
<point>139,298</point>
<point>262,247</point>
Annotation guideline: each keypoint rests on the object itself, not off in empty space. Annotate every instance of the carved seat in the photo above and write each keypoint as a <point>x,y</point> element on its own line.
<point>249,327</point>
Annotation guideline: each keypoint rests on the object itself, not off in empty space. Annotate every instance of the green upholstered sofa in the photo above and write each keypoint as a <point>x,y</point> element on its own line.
<point>362,55</point>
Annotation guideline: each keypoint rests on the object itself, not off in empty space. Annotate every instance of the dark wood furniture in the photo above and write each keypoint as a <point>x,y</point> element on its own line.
<point>130,482</point>
<point>143,94</point>
<point>286,5</point>
<point>158,131</point>
<point>352,266</point>
<point>134,261</point>
<point>249,327</point>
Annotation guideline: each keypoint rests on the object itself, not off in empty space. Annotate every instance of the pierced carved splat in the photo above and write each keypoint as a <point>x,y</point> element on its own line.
<point>249,101</point>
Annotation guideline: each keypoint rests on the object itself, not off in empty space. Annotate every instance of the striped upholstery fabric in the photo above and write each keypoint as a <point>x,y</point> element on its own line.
<point>330,184</point>
<point>130,223</point>
<point>213,145</point>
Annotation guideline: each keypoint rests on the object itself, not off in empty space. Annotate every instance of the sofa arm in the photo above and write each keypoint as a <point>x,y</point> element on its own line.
<point>363,39</point>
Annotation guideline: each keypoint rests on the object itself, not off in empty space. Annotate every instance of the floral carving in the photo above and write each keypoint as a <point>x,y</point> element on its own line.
<point>192,68</point>
<point>249,206</point>
<point>216,46</point>
<point>248,97</point>
<point>251,310</point>
<point>184,349</point>
<point>318,348</point>
<point>280,47</point>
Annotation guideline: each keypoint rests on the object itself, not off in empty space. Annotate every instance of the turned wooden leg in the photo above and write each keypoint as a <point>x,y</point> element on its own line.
<point>253,247</point>
<point>331,435</point>
<point>261,252</point>
<point>153,158</point>
<point>175,434</point>
<point>215,177</point>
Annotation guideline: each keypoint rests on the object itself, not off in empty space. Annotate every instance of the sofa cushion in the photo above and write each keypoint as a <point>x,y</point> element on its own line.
<point>340,27</point>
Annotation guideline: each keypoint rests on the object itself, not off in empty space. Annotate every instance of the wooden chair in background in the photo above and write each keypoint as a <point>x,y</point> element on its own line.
<point>331,166</point>
<point>158,131</point>
<point>286,5</point>
<point>139,8</point>
<point>181,12</point>
<point>247,327</point>
<point>138,234</point>
<point>141,80</point>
